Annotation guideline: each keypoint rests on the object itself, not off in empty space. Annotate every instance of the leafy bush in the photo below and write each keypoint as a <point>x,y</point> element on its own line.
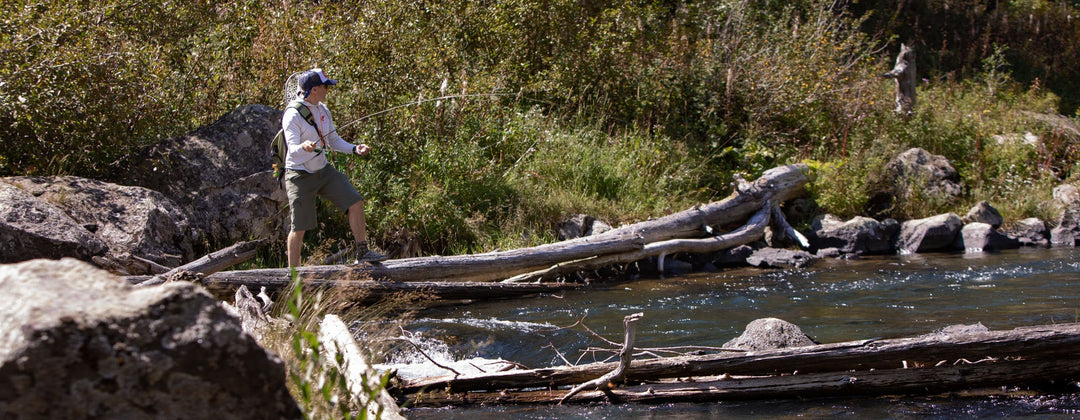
<point>622,109</point>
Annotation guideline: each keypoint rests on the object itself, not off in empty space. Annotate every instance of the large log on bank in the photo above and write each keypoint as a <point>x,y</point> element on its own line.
<point>774,186</point>
<point>208,264</point>
<point>372,290</point>
<point>753,230</point>
<point>1048,343</point>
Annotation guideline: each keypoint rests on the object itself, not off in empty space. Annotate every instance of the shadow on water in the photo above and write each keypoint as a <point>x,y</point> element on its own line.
<point>834,300</point>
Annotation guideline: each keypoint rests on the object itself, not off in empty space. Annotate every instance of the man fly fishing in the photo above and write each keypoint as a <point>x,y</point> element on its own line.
<point>308,173</point>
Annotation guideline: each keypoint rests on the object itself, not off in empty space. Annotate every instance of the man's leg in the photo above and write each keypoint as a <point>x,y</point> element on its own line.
<point>293,245</point>
<point>363,251</point>
<point>357,222</point>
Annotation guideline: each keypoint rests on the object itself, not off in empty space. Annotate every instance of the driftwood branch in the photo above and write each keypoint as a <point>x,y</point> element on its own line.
<point>605,382</point>
<point>785,230</point>
<point>775,185</point>
<point>362,379</point>
<point>252,313</point>
<point>753,230</point>
<point>208,264</point>
<point>1047,342</point>
<point>374,290</point>
<point>904,73</point>
<point>926,380</point>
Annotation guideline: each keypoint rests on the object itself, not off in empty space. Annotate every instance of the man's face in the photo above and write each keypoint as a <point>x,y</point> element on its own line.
<point>318,93</point>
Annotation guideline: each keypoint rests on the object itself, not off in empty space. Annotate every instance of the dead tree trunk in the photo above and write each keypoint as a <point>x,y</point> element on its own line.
<point>615,377</point>
<point>925,380</point>
<point>208,264</point>
<point>774,186</point>
<point>372,290</point>
<point>1045,347</point>
<point>904,73</point>
<point>753,230</point>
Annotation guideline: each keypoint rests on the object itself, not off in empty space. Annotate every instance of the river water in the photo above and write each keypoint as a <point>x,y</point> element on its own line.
<point>832,301</point>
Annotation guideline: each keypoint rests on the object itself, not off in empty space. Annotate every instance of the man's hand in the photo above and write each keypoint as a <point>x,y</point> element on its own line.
<point>362,150</point>
<point>308,146</point>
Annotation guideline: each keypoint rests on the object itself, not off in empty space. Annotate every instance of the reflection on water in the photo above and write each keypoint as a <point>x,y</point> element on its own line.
<point>835,300</point>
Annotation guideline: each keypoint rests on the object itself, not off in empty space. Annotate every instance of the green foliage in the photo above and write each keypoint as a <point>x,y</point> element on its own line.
<point>621,109</point>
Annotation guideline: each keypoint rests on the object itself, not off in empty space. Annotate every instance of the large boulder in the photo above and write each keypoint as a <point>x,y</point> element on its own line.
<point>770,334</point>
<point>34,228</point>
<point>919,174</point>
<point>1067,230</point>
<point>935,233</point>
<point>128,220</point>
<point>77,342</point>
<point>917,168</point>
<point>1030,232</point>
<point>733,256</point>
<point>860,235</point>
<point>983,212</point>
<point>220,174</point>
<point>1066,203</point>
<point>981,237</point>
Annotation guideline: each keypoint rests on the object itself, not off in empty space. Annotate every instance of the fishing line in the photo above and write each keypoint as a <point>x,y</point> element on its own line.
<point>292,91</point>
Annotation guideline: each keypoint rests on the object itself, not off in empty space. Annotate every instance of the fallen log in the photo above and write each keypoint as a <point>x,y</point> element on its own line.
<point>774,186</point>
<point>372,290</point>
<point>926,380</point>
<point>1047,342</point>
<point>462,268</point>
<point>208,264</point>
<point>362,380</point>
<point>753,230</point>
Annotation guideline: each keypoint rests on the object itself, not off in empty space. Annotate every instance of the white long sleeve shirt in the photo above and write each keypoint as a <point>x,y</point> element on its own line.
<point>298,131</point>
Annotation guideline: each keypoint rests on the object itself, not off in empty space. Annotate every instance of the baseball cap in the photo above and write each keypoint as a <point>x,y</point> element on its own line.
<point>315,77</point>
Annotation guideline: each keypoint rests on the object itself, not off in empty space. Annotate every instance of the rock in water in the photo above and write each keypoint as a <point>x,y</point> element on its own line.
<point>770,334</point>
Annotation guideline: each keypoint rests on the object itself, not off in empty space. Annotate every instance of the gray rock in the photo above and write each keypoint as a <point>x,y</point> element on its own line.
<point>129,220</point>
<point>1068,195</point>
<point>220,175</point>
<point>983,212</point>
<point>770,334</point>
<point>935,233</point>
<point>34,228</point>
<point>580,225</point>
<point>1030,232</point>
<point>78,342</point>
<point>916,173</point>
<point>1067,230</point>
<point>981,237</point>
<point>781,258</point>
<point>918,169</point>
<point>959,329</point>
<point>733,256</point>
<point>860,235</point>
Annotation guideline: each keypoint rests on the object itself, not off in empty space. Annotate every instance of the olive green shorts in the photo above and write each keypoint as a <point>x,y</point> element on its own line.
<point>303,187</point>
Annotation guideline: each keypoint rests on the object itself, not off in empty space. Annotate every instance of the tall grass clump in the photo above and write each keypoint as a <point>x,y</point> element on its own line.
<point>315,381</point>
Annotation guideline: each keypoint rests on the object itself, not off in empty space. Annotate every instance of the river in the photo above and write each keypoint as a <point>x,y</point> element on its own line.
<point>833,300</point>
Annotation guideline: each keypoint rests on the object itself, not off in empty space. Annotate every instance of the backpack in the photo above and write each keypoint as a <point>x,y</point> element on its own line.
<point>278,147</point>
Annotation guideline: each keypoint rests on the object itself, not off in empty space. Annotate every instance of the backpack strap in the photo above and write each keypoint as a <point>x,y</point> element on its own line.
<point>306,113</point>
